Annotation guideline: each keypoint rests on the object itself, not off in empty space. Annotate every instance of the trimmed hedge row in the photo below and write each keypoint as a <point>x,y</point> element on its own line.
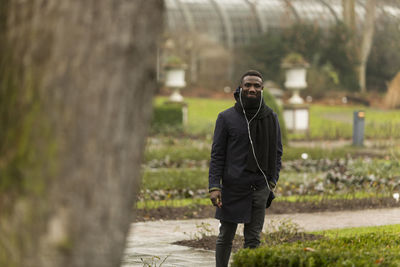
<point>271,102</point>
<point>362,250</point>
<point>167,117</point>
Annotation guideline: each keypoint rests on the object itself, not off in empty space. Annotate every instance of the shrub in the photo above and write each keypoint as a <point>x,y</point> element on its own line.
<point>384,60</point>
<point>271,102</point>
<point>362,250</point>
<point>321,77</point>
<point>167,117</point>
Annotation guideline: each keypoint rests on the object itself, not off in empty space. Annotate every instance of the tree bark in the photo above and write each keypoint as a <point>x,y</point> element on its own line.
<point>349,14</point>
<point>83,75</point>
<point>362,51</point>
<point>366,42</point>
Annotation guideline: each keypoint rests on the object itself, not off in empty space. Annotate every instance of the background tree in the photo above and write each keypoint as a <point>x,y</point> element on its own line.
<point>76,83</point>
<point>366,42</point>
<point>384,60</point>
<point>349,14</point>
<point>341,58</point>
<point>333,66</point>
<point>361,44</point>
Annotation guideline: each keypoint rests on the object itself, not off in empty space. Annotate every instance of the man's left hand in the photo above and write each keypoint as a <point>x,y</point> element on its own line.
<point>271,185</point>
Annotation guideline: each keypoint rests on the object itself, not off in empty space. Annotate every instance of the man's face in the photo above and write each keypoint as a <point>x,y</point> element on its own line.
<point>252,86</point>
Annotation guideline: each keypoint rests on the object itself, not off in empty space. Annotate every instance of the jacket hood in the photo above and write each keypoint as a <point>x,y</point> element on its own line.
<point>236,93</point>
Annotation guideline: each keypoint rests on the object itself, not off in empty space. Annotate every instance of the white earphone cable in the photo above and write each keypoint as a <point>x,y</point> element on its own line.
<point>248,131</point>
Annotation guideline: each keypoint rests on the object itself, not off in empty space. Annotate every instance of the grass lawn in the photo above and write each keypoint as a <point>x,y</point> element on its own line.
<point>336,122</point>
<point>326,122</point>
<point>202,113</point>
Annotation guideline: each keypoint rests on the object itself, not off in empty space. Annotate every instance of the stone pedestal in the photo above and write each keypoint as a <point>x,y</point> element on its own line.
<point>296,117</point>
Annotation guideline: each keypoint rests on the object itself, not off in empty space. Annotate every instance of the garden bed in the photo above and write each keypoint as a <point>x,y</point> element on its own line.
<point>277,207</point>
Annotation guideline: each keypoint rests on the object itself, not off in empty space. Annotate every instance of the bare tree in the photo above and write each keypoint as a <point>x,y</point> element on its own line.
<point>366,42</point>
<point>361,45</point>
<point>349,14</point>
<point>77,78</point>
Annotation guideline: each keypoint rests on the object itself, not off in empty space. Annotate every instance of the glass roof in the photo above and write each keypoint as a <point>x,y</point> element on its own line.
<point>235,22</point>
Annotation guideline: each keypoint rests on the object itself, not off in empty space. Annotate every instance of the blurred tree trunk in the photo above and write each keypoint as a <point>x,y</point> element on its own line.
<point>366,42</point>
<point>76,83</point>
<point>349,14</point>
<point>361,45</point>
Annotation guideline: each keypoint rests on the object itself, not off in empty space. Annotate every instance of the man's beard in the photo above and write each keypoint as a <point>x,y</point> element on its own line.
<point>251,102</point>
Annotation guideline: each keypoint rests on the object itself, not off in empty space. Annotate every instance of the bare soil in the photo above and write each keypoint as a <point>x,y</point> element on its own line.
<point>277,207</point>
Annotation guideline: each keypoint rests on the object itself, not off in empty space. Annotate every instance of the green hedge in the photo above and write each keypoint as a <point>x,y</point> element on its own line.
<point>370,249</point>
<point>167,117</point>
<point>271,102</point>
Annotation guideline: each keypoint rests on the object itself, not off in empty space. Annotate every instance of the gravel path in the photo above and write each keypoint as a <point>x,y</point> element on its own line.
<point>149,240</point>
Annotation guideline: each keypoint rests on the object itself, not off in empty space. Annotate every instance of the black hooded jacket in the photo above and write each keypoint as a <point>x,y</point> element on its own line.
<point>227,172</point>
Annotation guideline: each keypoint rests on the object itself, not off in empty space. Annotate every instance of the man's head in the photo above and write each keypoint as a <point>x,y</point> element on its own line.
<point>251,84</point>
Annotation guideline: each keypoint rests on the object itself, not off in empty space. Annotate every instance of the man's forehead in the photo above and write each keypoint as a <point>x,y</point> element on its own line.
<point>251,78</point>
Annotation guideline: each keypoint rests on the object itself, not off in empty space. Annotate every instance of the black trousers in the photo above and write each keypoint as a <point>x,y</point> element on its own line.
<point>251,230</point>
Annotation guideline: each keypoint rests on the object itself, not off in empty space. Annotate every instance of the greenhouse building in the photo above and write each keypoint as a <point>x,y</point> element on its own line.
<point>206,33</point>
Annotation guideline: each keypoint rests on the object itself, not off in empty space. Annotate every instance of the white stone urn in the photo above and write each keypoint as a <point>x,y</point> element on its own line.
<point>175,79</point>
<point>296,72</point>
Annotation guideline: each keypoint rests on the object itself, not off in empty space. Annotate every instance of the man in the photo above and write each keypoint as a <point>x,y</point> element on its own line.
<point>243,171</point>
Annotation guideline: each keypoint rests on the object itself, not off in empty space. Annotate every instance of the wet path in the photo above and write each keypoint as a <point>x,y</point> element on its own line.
<point>148,239</point>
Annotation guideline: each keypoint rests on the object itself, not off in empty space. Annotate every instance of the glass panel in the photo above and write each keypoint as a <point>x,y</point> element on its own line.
<point>273,14</point>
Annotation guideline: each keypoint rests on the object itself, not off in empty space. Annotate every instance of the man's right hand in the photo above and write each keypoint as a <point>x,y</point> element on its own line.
<point>215,197</point>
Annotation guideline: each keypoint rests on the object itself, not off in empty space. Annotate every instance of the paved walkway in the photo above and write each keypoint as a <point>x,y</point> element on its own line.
<point>149,239</point>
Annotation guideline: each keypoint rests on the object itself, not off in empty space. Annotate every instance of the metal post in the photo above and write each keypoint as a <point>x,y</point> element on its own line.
<point>358,128</point>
